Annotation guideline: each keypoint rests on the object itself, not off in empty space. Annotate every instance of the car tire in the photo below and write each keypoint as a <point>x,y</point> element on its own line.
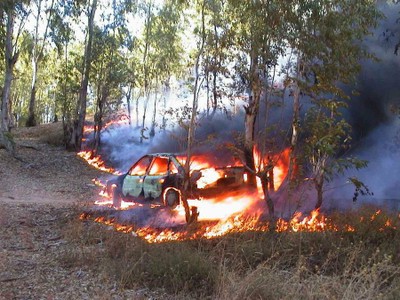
<point>171,197</point>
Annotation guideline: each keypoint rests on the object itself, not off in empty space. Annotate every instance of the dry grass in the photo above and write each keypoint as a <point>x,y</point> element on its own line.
<point>51,133</point>
<point>328,265</point>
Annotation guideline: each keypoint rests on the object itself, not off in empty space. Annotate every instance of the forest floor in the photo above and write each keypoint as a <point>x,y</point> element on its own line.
<point>38,190</point>
<point>47,252</point>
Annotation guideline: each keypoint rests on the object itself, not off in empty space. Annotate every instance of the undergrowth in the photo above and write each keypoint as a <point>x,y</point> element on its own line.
<point>363,264</point>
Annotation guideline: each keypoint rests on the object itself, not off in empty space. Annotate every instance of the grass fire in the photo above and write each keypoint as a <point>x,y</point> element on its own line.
<point>199,150</point>
<point>224,209</point>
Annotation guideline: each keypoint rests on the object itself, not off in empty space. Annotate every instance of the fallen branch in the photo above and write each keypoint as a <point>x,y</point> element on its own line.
<point>12,278</point>
<point>29,147</point>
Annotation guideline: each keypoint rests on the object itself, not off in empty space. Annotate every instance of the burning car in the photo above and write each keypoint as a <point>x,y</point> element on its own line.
<point>159,177</point>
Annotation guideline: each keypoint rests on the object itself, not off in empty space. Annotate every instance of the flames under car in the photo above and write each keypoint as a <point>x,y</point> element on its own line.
<point>159,178</point>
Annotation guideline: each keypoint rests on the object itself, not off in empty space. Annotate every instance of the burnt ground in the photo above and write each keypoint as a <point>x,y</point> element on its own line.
<point>39,192</point>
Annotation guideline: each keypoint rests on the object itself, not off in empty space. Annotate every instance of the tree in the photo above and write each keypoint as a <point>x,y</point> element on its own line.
<point>198,79</point>
<point>326,37</point>
<point>77,128</point>
<point>166,54</point>
<point>107,79</point>
<point>255,34</point>
<point>37,53</point>
<point>327,136</point>
<point>10,10</point>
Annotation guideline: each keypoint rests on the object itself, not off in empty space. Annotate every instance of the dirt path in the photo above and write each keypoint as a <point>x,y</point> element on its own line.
<point>38,194</point>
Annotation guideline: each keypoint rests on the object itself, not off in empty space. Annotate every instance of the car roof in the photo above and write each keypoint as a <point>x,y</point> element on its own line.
<point>162,154</point>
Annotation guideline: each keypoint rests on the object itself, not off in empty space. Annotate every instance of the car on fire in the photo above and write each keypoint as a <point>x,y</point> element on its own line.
<point>159,178</point>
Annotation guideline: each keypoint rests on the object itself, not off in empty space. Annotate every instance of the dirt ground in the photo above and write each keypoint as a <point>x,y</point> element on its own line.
<point>45,184</point>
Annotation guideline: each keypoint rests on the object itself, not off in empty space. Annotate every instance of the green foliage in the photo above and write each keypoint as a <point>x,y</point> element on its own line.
<point>327,137</point>
<point>360,188</point>
<point>109,70</point>
<point>326,34</point>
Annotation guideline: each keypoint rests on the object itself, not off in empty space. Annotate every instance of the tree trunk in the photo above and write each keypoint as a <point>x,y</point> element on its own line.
<point>137,111</point>
<point>98,120</point>
<point>164,119</point>
<point>191,216</point>
<point>6,140</point>
<point>153,119</point>
<point>319,183</point>
<point>267,197</point>
<point>36,58</point>
<point>128,104</point>
<point>31,116</point>
<point>271,183</point>
<point>295,124</point>
<point>78,132</point>
<point>31,121</point>
<point>66,114</point>
<point>143,129</point>
<point>249,123</point>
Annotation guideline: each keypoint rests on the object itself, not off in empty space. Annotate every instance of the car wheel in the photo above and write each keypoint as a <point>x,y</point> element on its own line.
<point>171,197</point>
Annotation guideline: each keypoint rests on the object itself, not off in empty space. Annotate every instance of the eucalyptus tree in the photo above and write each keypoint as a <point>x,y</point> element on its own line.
<point>215,55</point>
<point>3,16</point>
<point>74,125</point>
<point>67,86</point>
<point>147,68</point>
<point>167,54</point>
<point>77,135</point>
<point>255,35</point>
<point>198,79</point>
<point>326,37</point>
<point>21,85</point>
<point>46,107</point>
<point>108,79</point>
<point>11,11</point>
<point>43,12</point>
<point>161,53</point>
<point>110,74</point>
<point>122,11</point>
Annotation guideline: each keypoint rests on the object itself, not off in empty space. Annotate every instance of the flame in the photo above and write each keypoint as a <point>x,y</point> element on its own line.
<point>314,222</point>
<point>279,162</point>
<point>124,120</point>
<point>209,176</point>
<point>223,207</point>
<point>96,162</point>
<point>231,212</point>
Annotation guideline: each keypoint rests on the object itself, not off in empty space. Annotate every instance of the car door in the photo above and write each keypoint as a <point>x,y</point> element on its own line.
<point>133,182</point>
<point>154,179</point>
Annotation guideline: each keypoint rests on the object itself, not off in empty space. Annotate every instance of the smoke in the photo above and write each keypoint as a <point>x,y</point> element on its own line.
<point>375,130</point>
<point>122,144</point>
<point>374,117</point>
<point>378,81</point>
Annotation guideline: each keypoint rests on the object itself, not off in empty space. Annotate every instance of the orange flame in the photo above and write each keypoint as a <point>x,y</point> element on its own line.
<point>124,120</point>
<point>315,222</point>
<point>279,164</point>
<point>96,162</point>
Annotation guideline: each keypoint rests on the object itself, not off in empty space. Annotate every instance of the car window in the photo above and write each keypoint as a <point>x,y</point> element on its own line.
<point>141,166</point>
<point>172,168</point>
<point>159,166</point>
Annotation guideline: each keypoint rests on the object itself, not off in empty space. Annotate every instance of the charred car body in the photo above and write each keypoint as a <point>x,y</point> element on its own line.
<point>159,177</point>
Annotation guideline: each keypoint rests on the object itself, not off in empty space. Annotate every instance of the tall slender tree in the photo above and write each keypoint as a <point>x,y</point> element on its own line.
<point>78,126</point>
<point>10,11</point>
<point>39,43</point>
